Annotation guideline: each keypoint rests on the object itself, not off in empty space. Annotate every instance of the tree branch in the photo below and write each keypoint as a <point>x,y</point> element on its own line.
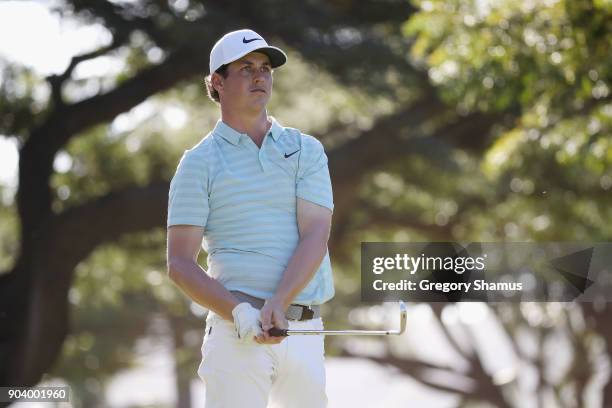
<point>68,239</point>
<point>352,51</point>
<point>396,137</point>
<point>438,308</point>
<point>122,19</point>
<point>414,368</point>
<point>36,156</point>
<point>57,81</point>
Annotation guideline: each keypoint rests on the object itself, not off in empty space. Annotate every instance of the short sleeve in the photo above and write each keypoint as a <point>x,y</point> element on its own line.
<point>313,181</point>
<point>188,197</point>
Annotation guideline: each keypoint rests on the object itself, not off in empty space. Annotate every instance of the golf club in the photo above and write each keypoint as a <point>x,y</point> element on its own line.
<point>289,332</point>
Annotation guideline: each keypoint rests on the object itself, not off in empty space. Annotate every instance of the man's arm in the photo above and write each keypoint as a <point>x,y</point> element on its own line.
<point>314,223</point>
<point>183,248</point>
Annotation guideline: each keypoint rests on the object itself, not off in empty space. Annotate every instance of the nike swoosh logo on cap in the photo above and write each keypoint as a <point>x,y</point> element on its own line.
<point>291,154</point>
<point>245,41</point>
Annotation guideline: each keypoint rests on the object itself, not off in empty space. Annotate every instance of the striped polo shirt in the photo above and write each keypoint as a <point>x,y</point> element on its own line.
<point>245,198</point>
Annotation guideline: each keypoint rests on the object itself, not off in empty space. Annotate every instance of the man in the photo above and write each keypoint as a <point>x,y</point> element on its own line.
<point>257,196</point>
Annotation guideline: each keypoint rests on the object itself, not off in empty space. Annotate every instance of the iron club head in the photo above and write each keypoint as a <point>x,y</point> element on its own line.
<point>403,317</point>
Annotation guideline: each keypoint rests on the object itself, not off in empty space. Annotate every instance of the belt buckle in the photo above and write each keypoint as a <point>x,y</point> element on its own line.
<point>307,313</point>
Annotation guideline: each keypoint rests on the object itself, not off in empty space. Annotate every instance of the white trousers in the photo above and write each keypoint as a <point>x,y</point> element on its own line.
<point>286,375</point>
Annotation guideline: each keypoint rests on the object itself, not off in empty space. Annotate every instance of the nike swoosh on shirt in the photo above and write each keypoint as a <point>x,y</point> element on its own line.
<point>245,41</point>
<point>291,154</point>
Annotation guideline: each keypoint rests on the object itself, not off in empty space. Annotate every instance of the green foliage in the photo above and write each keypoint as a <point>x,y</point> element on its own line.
<point>551,170</point>
<point>101,162</point>
<point>22,97</point>
<point>8,236</point>
<point>546,176</point>
<point>494,55</point>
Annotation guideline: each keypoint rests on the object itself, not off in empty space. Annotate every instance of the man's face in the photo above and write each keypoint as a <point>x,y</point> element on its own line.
<point>248,85</point>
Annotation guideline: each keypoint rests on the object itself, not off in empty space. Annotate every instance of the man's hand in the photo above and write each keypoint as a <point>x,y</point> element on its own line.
<point>272,315</point>
<point>247,322</point>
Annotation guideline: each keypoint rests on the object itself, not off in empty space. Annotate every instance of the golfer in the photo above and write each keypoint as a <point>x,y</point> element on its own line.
<point>257,197</point>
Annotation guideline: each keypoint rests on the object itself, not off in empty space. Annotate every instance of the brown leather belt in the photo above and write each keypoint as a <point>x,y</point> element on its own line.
<point>294,312</point>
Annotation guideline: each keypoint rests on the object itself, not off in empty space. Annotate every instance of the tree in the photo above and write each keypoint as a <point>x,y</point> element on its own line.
<point>535,179</point>
<point>519,129</point>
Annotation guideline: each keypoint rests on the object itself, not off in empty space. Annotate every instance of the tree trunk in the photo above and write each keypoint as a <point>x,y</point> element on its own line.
<point>182,370</point>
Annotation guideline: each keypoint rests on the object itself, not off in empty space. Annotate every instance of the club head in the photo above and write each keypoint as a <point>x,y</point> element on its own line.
<point>403,317</point>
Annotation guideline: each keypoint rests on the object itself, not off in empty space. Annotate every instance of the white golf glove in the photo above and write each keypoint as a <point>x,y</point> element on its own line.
<point>247,321</point>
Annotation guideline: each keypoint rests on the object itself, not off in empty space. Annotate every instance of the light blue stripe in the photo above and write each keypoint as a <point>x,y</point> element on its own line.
<point>246,201</point>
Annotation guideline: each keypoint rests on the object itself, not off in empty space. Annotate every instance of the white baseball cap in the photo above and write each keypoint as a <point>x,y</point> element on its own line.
<point>237,44</point>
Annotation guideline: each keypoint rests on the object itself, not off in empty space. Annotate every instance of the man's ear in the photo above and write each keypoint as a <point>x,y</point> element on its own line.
<point>217,81</point>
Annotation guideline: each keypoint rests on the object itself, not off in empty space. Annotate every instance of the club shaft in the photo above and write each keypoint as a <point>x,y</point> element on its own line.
<point>339,332</point>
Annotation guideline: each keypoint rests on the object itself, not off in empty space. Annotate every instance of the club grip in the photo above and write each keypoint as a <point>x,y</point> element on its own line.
<point>275,332</point>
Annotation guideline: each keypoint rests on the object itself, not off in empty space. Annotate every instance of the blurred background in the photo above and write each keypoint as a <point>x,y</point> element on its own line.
<point>473,120</point>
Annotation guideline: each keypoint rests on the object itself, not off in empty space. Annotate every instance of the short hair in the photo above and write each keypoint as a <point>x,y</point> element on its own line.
<point>210,89</point>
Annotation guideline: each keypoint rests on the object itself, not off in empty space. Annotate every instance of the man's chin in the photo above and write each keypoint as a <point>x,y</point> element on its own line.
<point>259,103</point>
